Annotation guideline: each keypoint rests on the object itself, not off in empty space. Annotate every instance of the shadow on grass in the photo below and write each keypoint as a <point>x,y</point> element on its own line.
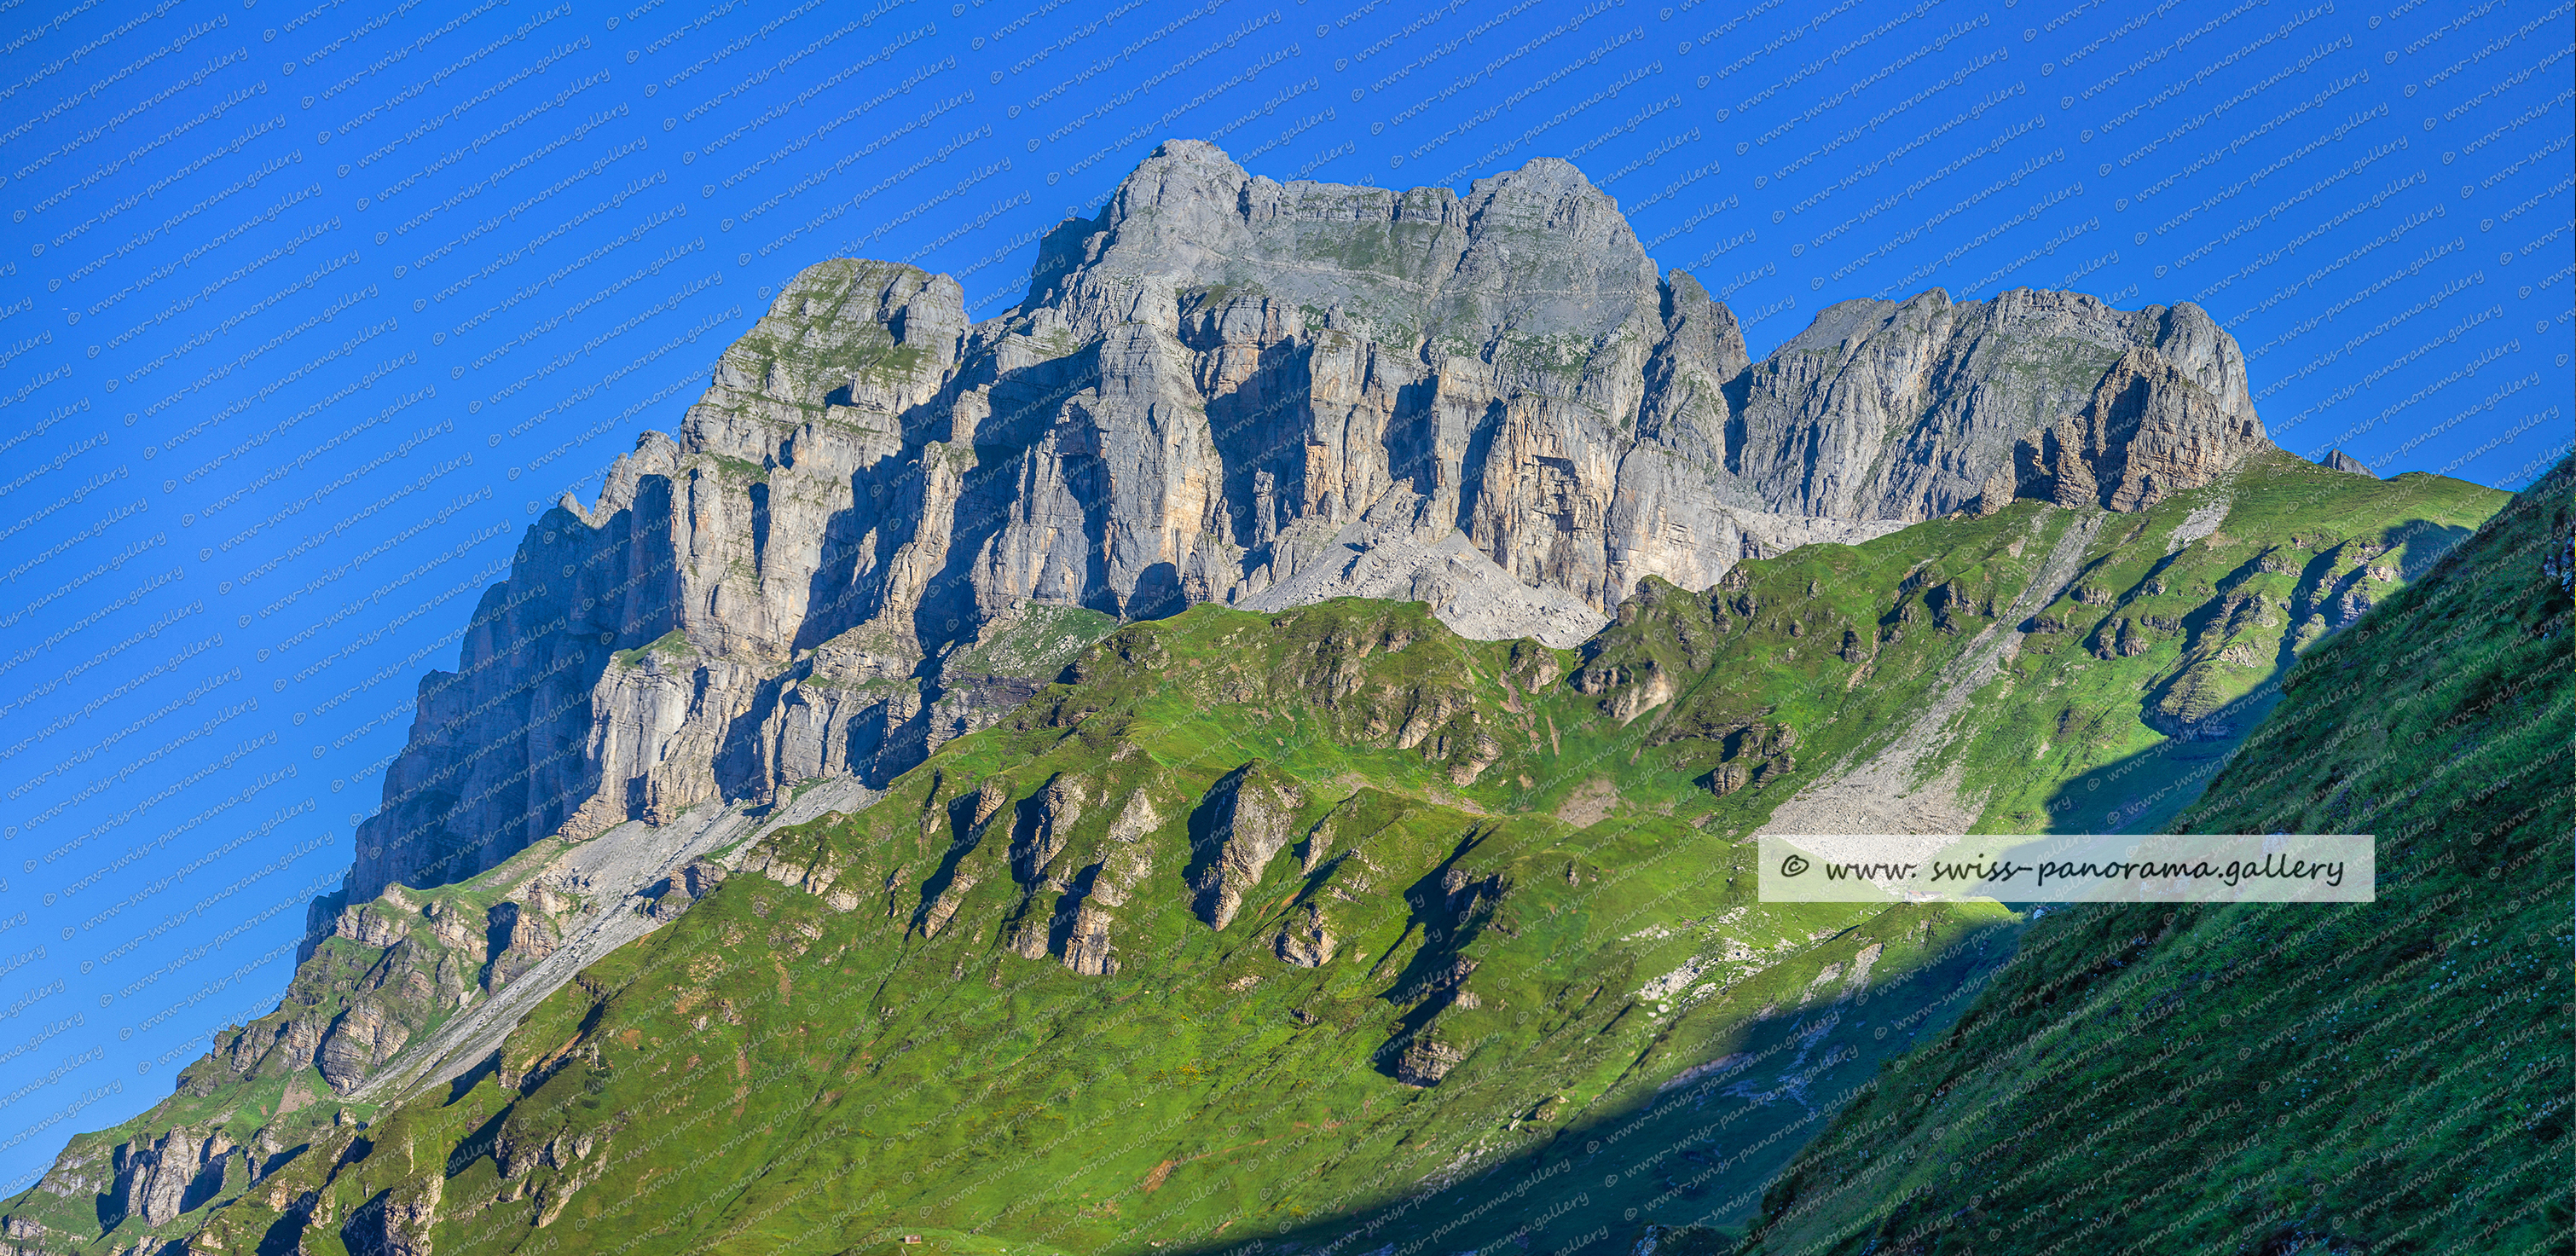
<point>2143,792</point>
<point>1701,1150</point>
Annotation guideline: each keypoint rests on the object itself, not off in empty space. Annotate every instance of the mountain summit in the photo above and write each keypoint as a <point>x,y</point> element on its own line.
<point>1258,744</point>
<point>1228,389</point>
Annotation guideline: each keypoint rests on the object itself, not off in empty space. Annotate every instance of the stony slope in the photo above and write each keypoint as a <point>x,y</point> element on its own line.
<point>389,997</point>
<point>1324,923</point>
<point>1228,389</point>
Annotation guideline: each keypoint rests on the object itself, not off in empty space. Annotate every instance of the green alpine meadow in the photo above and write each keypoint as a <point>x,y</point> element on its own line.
<point>1258,749</point>
<point>2280,1077</point>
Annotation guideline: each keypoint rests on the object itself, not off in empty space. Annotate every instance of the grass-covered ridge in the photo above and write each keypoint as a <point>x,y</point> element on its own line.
<point>1234,908</point>
<point>2382,1077</point>
<point>1333,928</point>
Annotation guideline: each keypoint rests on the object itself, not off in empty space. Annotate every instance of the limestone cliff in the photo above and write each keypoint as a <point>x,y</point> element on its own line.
<point>1889,410</point>
<point>1225,388</point>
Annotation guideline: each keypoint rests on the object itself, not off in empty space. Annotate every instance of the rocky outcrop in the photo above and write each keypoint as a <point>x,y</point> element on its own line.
<point>689,636</point>
<point>1423,1062</point>
<point>173,1173</point>
<point>1246,818</point>
<point>380,973</point>
<point>1081,930</point>
<point>23,1236</point>
<point>520,939</point>
<point>2338,460</point>
<point>1224,388</point>
<point>681,890</point>
<point>2150,430</point>
<point>1087,949</point>
<point>1047,828</point>
<point>1307,940</point>
<point>1750,754</point>
<point>398,1221</point>
<point>1910,410</point>
<point>1385,558</point>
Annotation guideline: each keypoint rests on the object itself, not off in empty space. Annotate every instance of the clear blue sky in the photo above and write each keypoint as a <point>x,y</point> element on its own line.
<point>307,308</point>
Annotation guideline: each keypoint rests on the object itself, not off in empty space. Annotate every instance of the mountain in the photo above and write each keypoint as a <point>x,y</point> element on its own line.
<point>1227,389</point>
<point>1323,924</point>
<point>1261,739</point>
<point>2386,1076</point>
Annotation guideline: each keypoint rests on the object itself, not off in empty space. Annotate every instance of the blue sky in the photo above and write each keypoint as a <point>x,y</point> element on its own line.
<point>307,308</point>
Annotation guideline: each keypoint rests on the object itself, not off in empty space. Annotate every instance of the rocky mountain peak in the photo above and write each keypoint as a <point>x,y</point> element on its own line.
<point>1533,252</point>
<point>2149,429</point>
<point>1907,410</point>
<point>1225,388</point>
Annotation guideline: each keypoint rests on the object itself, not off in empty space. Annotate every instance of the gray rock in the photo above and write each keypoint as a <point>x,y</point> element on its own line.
<point>1911,410</point>
<point>1083,925</point>
<point>681,890</point>
<point>2149,431</point>
<point>1087,949</point>
<point>157,1178</point>
<point>1048,824</point>
<point>1307,940</point>
<point>1423,1062</point>
<point>2338,460</point>
<point>521,939</point>
<point>1224,388</point>
<point>1468,590</point>
<point>1244,820</point>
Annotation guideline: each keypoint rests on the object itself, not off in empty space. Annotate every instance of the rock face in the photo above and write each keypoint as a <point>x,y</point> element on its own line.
<point>2338,460</point>
<point>171,1175</point>
<point>1888,410</point>
<point>1225,388</point>
<point>1245,819</point>
<point>2149,429</point>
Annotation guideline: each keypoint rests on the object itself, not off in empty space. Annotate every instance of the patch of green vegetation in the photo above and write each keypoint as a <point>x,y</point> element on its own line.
<point>1319,926</point>
<point>1042,641</point>
<point>1216,296</point>
<point>743,469</point>
<point>874,684</point>
<point>2383,1076</point>
<point>672,646</point>
<point>1563,357</point>
<point>811,342</point>
<point>1059,342</point>
<point>2056,367</point>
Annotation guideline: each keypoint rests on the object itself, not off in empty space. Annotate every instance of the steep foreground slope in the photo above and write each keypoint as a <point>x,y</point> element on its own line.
<point>2379,1077</point>
<point>1227,389</point>
<point>1326,926</point>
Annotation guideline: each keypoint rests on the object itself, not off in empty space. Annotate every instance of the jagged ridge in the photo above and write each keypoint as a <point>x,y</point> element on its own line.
<point>1230,389</point>
<point>1368,843</point>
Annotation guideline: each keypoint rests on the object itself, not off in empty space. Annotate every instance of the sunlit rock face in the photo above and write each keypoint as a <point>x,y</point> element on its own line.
<point>1229,389</point>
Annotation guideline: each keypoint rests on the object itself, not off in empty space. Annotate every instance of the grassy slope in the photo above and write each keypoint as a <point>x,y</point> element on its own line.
<point>2385,1077</point>
<point>770,1068</point>
<point>1529,847</point>
<point>259,1088</point>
